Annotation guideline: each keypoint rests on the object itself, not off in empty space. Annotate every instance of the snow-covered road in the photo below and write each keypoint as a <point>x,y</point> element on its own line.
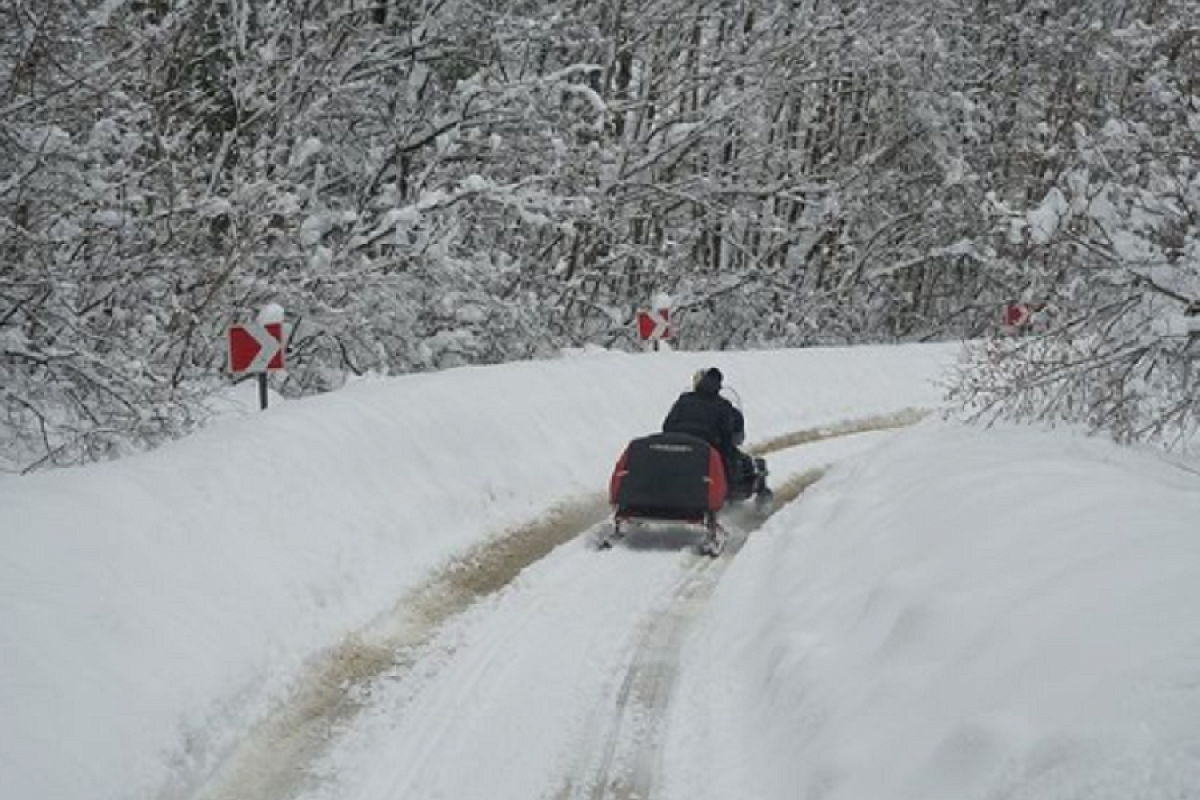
<point>534,666</point>
<point>387,592</point>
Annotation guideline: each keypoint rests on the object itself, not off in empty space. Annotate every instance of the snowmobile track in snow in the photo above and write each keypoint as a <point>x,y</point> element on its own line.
<point>275,759</point>
<point>272,762</point>
<point>623,763</point>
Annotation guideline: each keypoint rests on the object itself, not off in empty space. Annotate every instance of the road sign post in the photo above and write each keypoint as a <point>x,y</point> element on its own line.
<point>257,348</point>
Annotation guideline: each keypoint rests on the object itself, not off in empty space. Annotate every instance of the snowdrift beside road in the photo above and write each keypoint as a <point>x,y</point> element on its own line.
<point>961,614</point>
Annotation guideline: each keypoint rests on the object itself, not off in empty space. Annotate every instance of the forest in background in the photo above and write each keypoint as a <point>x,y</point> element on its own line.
<point>429,183</point>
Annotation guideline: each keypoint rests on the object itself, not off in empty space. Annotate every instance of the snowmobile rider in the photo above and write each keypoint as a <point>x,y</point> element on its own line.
<point>704,413</point>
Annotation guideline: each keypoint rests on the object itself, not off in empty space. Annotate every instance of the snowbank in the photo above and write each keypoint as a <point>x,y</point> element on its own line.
<point>963,614</point>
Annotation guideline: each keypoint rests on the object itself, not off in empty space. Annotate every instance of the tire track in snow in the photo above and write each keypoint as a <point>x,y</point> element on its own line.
<point>274,761</point>
<point>624,762</point>
<point>508,688</point>
<point>880,422</point>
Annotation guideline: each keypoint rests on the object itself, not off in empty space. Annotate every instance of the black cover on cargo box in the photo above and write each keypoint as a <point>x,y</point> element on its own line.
<point>667,474</point>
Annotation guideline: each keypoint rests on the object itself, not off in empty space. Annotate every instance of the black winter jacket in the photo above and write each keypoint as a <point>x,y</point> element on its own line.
<point>704,413</point>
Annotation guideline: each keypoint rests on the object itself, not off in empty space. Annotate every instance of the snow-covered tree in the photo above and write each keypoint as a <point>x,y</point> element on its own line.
<point>1097,222</point>
<point>424,183</point>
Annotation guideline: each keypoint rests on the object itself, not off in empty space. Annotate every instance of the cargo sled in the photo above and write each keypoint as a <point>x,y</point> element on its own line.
<point>669,477</point>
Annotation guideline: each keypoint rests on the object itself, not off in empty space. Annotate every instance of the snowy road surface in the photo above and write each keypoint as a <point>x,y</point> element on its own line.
<point>536,666</point>
<point>386,592</point>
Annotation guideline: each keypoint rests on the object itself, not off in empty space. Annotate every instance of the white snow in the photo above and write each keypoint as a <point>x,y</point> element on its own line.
<point>305,150</point>
<point>961,614</point>
<point>1045,220</point>
<point>948,613</point>
<point>270,313</point>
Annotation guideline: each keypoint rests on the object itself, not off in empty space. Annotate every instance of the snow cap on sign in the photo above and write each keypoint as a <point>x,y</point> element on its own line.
<point>270,314</point>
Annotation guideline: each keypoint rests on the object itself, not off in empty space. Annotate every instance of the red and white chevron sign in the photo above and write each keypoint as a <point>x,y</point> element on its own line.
<point>1016,315</point>
<point>654,325</point>
<point>255,347</point>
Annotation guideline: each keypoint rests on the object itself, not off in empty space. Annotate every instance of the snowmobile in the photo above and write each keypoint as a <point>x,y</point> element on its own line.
<point>679,478</point>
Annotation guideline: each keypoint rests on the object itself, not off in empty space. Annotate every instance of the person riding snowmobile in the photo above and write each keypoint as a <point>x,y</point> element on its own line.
<point>704,413</point>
